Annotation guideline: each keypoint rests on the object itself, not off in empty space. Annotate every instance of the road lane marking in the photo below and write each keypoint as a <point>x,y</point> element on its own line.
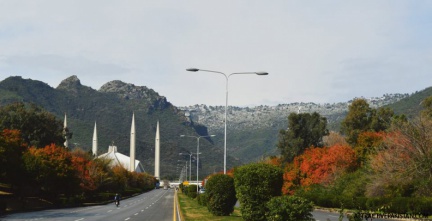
<point>79,219</point>
<point>174,209</point>
<point>127,218</point>
<point>136,214</point>
<point>110,210</point>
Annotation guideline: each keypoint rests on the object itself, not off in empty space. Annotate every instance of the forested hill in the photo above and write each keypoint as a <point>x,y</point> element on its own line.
<point>253,131</point>
<point>111,107</point>
<point>411,106</point>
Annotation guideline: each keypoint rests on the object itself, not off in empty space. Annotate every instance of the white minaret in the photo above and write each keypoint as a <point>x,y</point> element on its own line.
<point>65,132</point>
<point>157,153</point>
<point>95,141</point>
<point>132,145</point>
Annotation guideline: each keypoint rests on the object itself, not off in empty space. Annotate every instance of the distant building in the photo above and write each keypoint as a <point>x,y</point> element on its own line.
<point>118,159</point>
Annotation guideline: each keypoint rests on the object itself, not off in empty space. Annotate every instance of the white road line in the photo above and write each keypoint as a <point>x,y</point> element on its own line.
<point>127,218</point>
<point>79,219</point>
<point>110,210</point>
<point>136,214</point>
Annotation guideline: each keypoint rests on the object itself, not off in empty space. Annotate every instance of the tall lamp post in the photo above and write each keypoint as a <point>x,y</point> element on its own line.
<point>226,101</point>
<point>185,167</point>
<point>198,139</point>
<point>190,164</point>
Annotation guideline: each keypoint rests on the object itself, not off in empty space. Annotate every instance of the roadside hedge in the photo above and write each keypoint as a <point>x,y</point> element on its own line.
<point>192,191</point>
<point>289,208</point>
<point>421,206</point>
<point>255,185</point>
<point>221,195</point>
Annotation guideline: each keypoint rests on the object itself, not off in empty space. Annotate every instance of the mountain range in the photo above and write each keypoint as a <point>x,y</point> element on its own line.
<point>252,132</point>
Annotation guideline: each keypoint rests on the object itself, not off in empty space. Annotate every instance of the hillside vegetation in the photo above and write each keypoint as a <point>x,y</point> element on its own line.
<point>111,107</point>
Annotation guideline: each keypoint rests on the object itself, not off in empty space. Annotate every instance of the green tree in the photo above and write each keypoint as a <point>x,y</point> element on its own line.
<point>255,185</point>
<point>221,195</point>
<point>358,120</point>
<point>304,130</point>
<point>381,119</point>
<point>38,128</point>
<point>361,118</point>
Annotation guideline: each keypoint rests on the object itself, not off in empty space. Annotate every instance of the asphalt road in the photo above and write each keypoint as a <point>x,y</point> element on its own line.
<point>153,205</point>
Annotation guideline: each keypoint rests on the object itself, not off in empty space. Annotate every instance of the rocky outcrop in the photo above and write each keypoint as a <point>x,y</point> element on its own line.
<point>128,91</point>
<point>241,118</point>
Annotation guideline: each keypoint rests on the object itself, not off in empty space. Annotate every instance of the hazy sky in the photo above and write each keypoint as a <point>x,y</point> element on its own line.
<point>314,51</point>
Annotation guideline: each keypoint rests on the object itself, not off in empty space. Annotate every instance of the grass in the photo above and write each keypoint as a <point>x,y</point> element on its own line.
<point>191,211</point>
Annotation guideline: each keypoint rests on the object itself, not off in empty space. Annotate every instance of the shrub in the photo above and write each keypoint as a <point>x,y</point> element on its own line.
<point>255,185</point>
<point>192,191</point>
<point>221,195</point>
<point>289,208</point>
<point>202,199</point>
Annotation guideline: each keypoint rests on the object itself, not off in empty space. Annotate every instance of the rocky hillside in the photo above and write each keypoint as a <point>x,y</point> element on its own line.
<point>253,131</point>
<point>111,107</point>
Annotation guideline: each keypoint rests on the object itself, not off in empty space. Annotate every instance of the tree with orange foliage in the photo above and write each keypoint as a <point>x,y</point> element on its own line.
<point>318,166</point>
<point>403,167</point>
<point>82,163</point>
<point>52,169</point>
<point>11,149</point>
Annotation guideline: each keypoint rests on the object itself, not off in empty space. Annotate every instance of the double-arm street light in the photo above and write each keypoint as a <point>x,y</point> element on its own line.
<point>185,167</point>
<point>226,101</point>
<point>198,139</point>
<point>190,164</point>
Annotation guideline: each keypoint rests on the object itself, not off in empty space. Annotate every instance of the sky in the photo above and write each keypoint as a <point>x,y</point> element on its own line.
<point>314,51</point>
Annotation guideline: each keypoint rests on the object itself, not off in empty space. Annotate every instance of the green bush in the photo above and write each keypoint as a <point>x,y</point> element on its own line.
<point>255,185</point>
<point>192,191</point>
<point>289,208</point>
<point>202,199</point>
<point>221,195</point>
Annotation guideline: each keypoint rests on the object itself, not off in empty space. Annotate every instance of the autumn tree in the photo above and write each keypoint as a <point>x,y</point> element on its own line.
<point>52,170</point>
<point>334,138</point>
<point>304,130</point>
<point>403,167</point>
<point>12,148</point>
<point>38,128</point>
<point>85,170</point>
<point>318,166</point>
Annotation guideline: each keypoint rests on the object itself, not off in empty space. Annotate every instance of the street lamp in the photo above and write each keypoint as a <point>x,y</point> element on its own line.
<point>198,139</point>
<point>186,167</point>
<point>190,163</point>
<point>226,101</point>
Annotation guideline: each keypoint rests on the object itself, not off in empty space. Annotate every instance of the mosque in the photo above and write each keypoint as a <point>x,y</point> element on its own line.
<point>119,159</point>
